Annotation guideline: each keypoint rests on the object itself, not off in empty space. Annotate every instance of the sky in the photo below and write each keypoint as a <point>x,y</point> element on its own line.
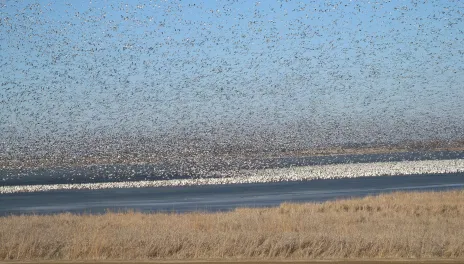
<point>307,73</point>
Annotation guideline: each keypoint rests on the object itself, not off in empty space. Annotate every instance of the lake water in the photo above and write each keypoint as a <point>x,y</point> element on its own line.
<point>219,197</point>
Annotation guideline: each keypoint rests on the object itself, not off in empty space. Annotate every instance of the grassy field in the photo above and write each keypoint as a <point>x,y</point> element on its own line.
<point>427,225</point>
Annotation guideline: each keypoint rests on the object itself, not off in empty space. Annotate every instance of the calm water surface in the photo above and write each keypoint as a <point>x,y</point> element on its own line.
<point>219,197</point>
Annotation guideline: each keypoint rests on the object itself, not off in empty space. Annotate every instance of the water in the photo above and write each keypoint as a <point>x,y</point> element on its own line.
<point>219,197</point>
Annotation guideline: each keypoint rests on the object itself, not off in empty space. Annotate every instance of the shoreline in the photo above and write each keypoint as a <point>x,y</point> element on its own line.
<point>402,226</point>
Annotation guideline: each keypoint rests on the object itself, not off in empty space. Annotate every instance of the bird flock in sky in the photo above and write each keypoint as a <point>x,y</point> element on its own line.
<point>189,83</point>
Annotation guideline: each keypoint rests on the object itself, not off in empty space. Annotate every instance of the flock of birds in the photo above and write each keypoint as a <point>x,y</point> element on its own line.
<point>187,82</point>
<point>270,175</point>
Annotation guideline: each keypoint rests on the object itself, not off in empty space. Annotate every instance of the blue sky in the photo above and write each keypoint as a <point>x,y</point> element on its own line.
<point>315,71</point>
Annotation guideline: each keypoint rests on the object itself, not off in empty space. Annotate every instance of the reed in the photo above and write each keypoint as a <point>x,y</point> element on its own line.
<point>398,225</point>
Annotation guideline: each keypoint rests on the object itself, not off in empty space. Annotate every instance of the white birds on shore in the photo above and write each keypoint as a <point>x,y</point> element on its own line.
<point>303,173</point>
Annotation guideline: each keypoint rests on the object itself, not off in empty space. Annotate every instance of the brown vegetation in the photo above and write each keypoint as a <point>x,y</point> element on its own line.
<point>399,225</point>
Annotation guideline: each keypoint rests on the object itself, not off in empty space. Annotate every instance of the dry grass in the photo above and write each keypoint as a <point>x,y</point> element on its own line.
<point>399,225</point>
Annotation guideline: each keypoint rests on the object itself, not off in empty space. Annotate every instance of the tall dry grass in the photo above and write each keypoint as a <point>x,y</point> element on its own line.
<point>399,225</point>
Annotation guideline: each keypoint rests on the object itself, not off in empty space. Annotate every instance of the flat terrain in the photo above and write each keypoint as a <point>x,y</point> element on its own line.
<point>413,226</point>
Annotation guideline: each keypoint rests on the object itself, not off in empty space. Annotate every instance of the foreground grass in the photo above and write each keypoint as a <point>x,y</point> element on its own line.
<point>399,225</point>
